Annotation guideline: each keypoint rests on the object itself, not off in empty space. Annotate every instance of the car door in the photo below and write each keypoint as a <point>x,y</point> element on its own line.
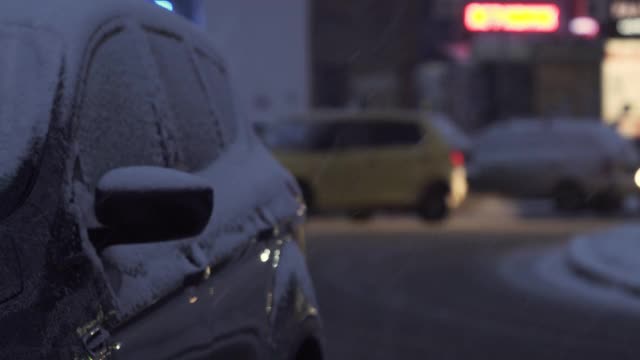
<point>217,309</point>
<point>118,126</point>
<point>395,164</point>
<point>339,177</point>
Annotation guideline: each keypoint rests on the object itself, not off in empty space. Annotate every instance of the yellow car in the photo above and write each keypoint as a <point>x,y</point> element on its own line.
<point>365,161</point>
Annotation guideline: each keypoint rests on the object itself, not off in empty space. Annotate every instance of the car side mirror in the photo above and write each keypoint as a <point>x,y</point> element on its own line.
<point>144,204</point>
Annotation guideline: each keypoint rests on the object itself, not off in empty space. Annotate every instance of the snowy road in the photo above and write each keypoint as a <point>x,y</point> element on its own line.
<point>395,288</point>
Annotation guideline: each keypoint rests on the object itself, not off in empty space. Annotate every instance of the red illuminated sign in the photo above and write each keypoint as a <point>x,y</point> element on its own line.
<point>511,17</point>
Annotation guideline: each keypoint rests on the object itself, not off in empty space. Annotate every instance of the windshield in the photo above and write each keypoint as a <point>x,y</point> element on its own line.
<point>29,69</point>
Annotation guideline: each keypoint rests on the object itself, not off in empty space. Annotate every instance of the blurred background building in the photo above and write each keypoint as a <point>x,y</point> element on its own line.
<point>365,52</point>
<point>291,55</point>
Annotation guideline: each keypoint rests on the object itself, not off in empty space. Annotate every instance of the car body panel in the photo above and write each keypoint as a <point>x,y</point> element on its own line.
<point>211,316</point>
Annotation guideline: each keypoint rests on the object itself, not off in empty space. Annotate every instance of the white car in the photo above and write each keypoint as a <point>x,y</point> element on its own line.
<point>577,162</point>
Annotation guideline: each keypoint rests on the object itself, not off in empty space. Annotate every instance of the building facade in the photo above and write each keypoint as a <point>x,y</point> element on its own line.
<point>499,73</point>
<point>364,52</point>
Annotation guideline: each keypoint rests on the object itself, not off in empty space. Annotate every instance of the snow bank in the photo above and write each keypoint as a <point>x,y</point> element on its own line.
<point>611,256</point>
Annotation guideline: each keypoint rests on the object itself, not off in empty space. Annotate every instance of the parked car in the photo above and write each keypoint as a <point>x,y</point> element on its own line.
<point>139,218</point>
<point>365,161</point>
<point>575,162</point>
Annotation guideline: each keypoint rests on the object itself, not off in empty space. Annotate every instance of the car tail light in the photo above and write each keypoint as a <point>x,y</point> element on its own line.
<point>456,158</point>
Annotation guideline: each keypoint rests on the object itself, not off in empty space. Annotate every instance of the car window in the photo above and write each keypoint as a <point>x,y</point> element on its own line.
<point>117,122</point>
<point>197,130</point>
<point>350,135</point>
<point>340,134</point>
<point>386,133</point>
<point>298,136</point>
<point>219,93</point>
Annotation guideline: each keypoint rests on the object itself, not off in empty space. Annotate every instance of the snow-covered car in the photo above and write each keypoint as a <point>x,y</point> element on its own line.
<point>139,218</point>
<point>577,162</point>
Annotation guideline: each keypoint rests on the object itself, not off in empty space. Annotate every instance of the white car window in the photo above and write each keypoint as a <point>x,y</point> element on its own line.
<point>219,93</point>
<point>198,133</point>
<point>117,122</point>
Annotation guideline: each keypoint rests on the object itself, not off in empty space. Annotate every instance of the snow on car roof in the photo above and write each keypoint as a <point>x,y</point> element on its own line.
<point>567,128</point>
<point>78,19</point>
<point>536,124</point>
<point>75,22</point>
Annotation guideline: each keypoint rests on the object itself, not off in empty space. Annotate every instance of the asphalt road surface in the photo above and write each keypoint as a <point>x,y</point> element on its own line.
<point>394,288</point>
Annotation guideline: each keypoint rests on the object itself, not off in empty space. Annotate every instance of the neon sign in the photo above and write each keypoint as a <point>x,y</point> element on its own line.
<point>511,17</point>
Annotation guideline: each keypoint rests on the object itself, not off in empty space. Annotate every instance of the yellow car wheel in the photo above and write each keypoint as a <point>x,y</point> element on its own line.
<point>433,205</point>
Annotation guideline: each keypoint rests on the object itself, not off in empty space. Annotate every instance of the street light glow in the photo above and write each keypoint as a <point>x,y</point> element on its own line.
<point>165,4</point>
<point>584,26</point>
<point>628,27</point>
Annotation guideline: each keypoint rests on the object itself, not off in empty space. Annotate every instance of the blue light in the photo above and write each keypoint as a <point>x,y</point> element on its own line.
<point>165,4</point>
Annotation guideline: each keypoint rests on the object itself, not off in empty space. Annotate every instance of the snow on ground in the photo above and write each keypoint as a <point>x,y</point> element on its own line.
<point>611,256</point>
<point>598,269</point>
<point>545,273</point>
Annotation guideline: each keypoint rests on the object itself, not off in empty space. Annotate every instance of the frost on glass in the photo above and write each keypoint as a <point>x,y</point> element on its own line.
<point>197,132</point>
<point>117,123</point>
<point>220,94</point>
